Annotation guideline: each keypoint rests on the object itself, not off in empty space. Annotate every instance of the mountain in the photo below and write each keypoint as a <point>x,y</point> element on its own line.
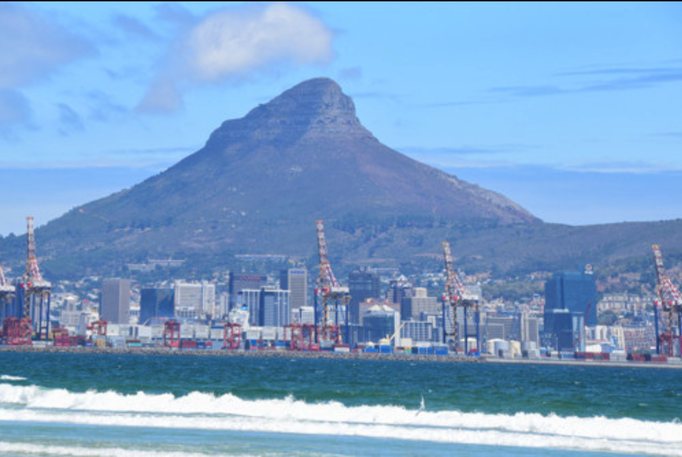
<point>261,181</point>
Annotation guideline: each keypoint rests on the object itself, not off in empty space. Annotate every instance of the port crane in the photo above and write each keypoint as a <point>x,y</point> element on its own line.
<point>329,293</point>
<point>34,292</point>
<point>669,300</point>
<point>456,296</point>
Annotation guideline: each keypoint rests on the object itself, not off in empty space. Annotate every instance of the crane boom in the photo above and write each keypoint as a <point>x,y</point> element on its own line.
<point>32,277</point>
<point>454,288</point>
<point>327,281</point>
<point>665,286</point>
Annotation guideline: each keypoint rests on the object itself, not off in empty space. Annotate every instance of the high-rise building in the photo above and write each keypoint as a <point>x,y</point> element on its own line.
<point>249,299</point>
<point>240,281</point>
<point>194,300</point>
<point>115,303</point>
<point>398,289</point>
<point>419,302</point>
<point>274,309</point>
<point>575,291</point>
<point>156,304</point>
<point>564,330</point>
<point>362,284</point>
<point>267,307</point>
<point>295,280</point>
<point>530,329</point>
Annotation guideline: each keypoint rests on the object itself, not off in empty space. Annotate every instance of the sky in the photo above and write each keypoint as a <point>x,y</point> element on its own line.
<point>573,109</point>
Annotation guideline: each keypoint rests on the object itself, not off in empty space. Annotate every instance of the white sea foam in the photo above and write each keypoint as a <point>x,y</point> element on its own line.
<point>38,449</point>
<point>228,412</point>
<point>6,377</point>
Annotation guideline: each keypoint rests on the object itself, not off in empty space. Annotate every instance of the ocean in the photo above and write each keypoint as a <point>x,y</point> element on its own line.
<point>59,404</point>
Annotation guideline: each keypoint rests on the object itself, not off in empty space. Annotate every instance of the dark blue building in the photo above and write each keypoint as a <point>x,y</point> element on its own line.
<point>574,291</point>
<point>156,303</point>
<point>564,330</point>
<point>362,284</point>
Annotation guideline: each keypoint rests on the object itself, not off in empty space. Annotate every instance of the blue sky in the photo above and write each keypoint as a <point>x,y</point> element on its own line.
<point>573,110</point>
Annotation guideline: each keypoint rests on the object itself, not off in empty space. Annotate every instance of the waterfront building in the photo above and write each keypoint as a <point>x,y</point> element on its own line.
<point>115,301</point>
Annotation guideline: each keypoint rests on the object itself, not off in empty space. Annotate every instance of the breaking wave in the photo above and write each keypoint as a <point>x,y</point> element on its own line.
<point>6,377</point>
<point>205,411</point>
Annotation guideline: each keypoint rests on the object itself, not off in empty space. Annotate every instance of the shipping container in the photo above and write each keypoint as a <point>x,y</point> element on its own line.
<point>342,348</point>
<point>188,344</point>
<point>440,350</point>
<point>269,333</point>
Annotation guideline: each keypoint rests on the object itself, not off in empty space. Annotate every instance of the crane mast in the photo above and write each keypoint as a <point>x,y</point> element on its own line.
<point>670,302</point>
<point>35,290</point>
<point>456,296</point>
<point>329,291</point>
<point>326,280</point>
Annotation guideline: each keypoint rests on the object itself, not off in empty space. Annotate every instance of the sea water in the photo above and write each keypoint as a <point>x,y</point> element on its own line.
<point>55,404</point>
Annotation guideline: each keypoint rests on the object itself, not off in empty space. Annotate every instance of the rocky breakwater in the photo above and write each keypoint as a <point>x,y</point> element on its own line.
<point>160,351</point>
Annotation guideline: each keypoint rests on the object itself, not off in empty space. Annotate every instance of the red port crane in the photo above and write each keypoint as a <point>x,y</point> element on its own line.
<point>669,300</point>
<point>35,292</point>
<point>330,292</point>
<point>456,296</point>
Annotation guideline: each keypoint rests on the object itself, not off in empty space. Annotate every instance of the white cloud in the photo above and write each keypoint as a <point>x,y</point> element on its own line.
<point>226,43</point>
<point>236,42</point>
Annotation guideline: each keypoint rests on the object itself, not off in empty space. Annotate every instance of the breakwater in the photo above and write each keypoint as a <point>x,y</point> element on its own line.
<point>450,358</point>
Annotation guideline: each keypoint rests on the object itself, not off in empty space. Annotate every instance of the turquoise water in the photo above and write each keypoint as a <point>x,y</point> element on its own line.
<point>119,405</point>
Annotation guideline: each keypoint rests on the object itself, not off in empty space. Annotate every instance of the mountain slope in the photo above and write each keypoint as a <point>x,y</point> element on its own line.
<point>261,181</point>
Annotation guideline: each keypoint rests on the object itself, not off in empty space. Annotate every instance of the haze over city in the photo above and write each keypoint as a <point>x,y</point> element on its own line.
<point>570,110</point>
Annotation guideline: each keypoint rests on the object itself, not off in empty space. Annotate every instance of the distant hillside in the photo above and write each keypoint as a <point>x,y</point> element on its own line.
<point>261,181</point>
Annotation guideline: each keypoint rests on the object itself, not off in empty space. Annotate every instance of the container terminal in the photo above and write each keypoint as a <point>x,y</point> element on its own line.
<point>458,329</point>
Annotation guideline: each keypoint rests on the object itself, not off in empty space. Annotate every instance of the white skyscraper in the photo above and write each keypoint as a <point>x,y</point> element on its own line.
<point>195,300</point>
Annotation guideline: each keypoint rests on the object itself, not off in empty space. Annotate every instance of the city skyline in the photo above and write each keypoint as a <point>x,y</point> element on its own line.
<point>567,109</point>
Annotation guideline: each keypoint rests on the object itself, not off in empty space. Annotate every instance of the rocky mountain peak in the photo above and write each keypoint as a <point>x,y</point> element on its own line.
<point>312,108</point>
